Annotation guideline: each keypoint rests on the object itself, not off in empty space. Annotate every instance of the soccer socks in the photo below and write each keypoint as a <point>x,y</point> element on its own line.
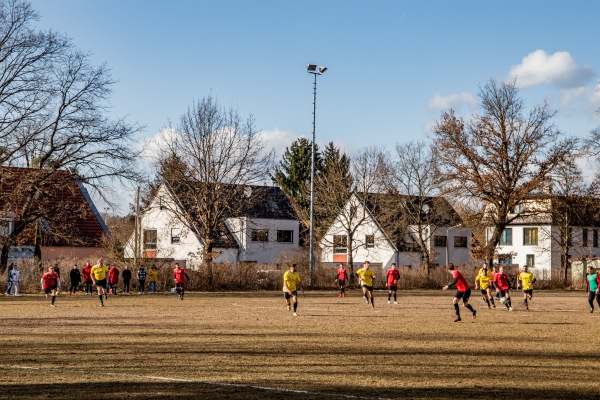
<point>390,296</point>
<point>53,298</point>
<point>457,310</point>
<point>101,301</point>
<point>488,303</point>
<point>525,301</point>
<point>492,300</point>
<point>395,299</point>
<point>295,306</point>
<point>372,302</point>
<point>470,308</point>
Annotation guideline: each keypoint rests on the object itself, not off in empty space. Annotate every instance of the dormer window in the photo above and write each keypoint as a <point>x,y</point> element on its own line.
<point>6,226</point>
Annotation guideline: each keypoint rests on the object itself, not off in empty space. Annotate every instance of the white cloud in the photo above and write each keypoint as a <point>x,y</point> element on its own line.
<point>455,101</point>
<point>558,69</point>
<point>152,148</point>
<point>278,140</point>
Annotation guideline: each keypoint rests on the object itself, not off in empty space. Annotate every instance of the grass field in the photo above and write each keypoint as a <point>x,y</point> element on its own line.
<point>248,346</point>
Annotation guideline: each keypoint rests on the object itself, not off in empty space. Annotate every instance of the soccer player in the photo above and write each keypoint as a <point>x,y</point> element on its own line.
<point>593,287</point>
<point>342,278</point>
<point>392,282</point>
<point>367,276</point>
<point>99,273</point>
<point>463,291</point>
<point>86,273</point>
<point>494,285</point>
<point>180,277</point>
<point>75,277</point>
<point>483,282</point>
<point>526,280</point>
<point>50,281</point>
<point>291,280</point>
<point>57,270</point>
<point>503,286</point>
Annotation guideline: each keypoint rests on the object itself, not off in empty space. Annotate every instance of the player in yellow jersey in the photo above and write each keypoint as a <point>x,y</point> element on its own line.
<point>483,281</point>
<point>291,282</point>
<point>99,273</point>
<point>367,276</point>
<point>526,280</point>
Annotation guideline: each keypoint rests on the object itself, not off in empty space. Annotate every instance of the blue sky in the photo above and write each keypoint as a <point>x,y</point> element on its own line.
<point>392,65</point>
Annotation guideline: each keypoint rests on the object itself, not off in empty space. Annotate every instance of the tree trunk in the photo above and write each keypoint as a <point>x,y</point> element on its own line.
<point>350,259</point>
<point>37,249</point>
<point>4,258</point>
<point>208,261</point>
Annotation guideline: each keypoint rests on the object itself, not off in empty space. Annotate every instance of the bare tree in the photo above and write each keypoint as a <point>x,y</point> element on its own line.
<point>221,154</point>
<point>55,113</point>
<point>500,156</point>
<point>366,171</point>
<point>413,172</point>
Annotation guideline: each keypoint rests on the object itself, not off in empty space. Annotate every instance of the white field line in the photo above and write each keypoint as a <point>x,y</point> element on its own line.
<point>222,384</point>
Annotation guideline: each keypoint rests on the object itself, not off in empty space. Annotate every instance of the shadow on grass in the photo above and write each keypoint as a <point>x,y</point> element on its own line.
<point>215,391</point>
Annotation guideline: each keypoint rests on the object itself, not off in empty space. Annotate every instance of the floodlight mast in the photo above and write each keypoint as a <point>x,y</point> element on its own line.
<point>312,69</point>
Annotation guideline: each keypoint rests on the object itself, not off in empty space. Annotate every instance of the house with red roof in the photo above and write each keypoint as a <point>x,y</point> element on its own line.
<point>51,210</point>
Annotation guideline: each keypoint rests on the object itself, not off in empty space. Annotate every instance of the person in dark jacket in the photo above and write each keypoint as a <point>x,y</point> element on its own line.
<point>141,275</point>
<point>113,279</point>
<point>126,275</point>
<point>75,276</point>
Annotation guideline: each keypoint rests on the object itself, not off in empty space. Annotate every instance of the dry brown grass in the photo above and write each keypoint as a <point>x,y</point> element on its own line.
<point>247,346</point>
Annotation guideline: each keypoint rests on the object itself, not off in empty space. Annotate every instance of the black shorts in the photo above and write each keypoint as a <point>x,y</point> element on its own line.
<point>369,288</point>
<point>393,288</point>
<point>463,295</point>
<point>502,293</point>
<point>49,289</point>
<point>484,291</point>
<point>179,285</point>
<point>287,296</point>
<point>90,282</point>
<point>341,282</point>
<point>528,291</point>
<point>101,283</point>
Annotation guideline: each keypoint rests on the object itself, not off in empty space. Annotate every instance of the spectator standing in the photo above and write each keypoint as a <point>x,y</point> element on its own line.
<point>126,275</point>
<point>15,277</point>
<point>86,272</point>
<point>9,283</point>
<point>113,279</point>
<point>75,277</point>
<point>142,275</point>
<point>152,279</point>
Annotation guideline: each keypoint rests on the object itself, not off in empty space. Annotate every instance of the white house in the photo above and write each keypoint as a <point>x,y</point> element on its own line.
<point>547,231</point>
<point>382,243</point>
<point>266,227</point>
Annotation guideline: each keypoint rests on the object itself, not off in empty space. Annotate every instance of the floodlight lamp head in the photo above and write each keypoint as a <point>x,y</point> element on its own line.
<point>322,69</point>
<point>311,67</point>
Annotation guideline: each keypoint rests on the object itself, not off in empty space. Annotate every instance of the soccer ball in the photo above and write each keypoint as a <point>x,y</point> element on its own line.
<point>503,300</point>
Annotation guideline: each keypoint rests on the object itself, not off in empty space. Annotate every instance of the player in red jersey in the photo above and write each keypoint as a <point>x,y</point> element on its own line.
<point>392,283</point>
<point>503,286</point>
<point>463,291</point>
<point>180,277</point>
<point>494,285</point>
<point>86,273</point>
<point>50,282</point>
<point>342,278</point>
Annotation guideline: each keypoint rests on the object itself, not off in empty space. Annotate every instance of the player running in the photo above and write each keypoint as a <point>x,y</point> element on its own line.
<point>483,281</point>
<point>526,280</point>
<point>342,278</point>
<point>180,277</point>
<point>99,273</point>
<point>367,276</point>
<point>503,286</point>
<point>50,282</point>
<point>593,287</point>
<point>494,285</point>
<point>463,291</point>
<point>291,279</point>
<point>392,282</point>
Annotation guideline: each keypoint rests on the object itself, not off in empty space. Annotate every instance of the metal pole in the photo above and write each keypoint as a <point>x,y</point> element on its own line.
<point>311,261</point>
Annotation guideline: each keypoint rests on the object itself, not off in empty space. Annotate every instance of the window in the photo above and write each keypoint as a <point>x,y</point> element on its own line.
<point>370,241</point>
<point>530,260</point>
<point>175,235</point>
<point>439,241</point>
<point>519,208</point>
<point>285,236</point>
<point>460,241</point>
<point>150,239</point>
<point>506,237</point>
<point>504,259</point>
<point>5,227</point>
<point>530,236</point>
<point>260,235</point>
<point>340,244</point>
<point>595,238</point>
<point>584,237</point>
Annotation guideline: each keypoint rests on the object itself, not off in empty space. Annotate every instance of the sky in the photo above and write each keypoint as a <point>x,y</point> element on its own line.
<point>393,66</point>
